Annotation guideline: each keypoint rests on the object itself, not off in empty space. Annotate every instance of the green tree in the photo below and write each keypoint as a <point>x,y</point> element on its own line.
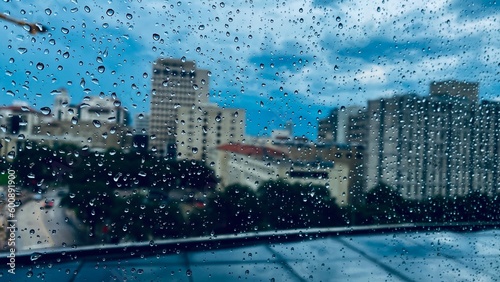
<point>235,210</point>
<point>285,205</point>
<point>383,205</point>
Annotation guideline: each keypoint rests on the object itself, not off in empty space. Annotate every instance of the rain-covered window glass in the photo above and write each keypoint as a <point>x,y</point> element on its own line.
<point>189,128</point>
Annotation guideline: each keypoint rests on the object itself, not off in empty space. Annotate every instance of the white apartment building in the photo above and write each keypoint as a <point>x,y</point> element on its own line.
<point>201,129</point>
<point>445,144</point>
<point>253,165</point>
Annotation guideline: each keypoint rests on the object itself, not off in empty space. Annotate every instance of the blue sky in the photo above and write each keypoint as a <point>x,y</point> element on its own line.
<point>285,60</point>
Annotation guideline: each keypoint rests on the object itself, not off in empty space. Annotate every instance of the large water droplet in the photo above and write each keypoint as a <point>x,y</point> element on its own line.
<point>101,69</point>
<point>96,123</point>
<point>40,66</point>
<point>46,110</point>
<point>110,12</point>
<point>156,36</point>
<point>35,256</point>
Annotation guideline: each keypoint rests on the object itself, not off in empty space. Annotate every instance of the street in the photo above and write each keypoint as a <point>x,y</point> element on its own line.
<point>40,228</point>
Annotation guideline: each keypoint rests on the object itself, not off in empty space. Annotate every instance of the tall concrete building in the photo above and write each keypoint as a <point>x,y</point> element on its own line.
<point>343,125</point>
<point>176,84</point>
<point>469,90</point>
<point>438,145</point>
<point>141,124</point>
<point>202,129</point>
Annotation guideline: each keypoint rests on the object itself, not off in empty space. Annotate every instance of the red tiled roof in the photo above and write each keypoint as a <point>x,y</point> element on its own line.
<point>16,108</point>
<point>251,150</point>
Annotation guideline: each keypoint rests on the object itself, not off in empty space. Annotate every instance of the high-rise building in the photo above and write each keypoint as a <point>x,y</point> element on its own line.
<point>203,128</point>
<point>469,90</point>
<point>336,126</point>
<point>438,145</point>
<point>176,84</point>
<point>141,124</point>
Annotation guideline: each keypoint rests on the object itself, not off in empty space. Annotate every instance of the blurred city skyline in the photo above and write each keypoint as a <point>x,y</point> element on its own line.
<point>294,61</point>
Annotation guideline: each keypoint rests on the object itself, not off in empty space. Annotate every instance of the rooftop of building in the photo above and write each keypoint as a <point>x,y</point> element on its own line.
<point>252,150</point>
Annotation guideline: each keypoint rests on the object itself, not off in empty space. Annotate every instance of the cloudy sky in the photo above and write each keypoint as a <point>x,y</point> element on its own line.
<point>280,60</point>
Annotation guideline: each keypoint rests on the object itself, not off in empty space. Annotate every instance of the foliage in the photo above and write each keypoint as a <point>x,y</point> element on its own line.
<point>235,210</point>
<point>287,205</point>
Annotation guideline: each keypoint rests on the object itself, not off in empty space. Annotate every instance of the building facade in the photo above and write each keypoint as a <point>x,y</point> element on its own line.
<point>201,129</point>
<point>343,125</point>
<point>438,145</point>
<point>252,165</point>
<point>176,84</point>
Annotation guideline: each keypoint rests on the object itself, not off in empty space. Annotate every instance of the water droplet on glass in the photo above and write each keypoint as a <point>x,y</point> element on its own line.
<point>101,69</point>
<point>195,150</point>
<point>40,66</point>
<point>35,256</point>
<point>156,36</point>
<point>87,9</point>
<point>341,26</point>
<point>129,16</point>
<point>201,27</point>
<point>11,155</point>
<point>96,123</point>
<point>29,274</point>
<point>32,231</point>
<point>22,50</point>
<point>46,110</point>
<point>189,272</point>
<point>110,12</point>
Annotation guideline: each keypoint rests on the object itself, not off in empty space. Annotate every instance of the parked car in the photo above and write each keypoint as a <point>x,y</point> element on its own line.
<point>48,204</point>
